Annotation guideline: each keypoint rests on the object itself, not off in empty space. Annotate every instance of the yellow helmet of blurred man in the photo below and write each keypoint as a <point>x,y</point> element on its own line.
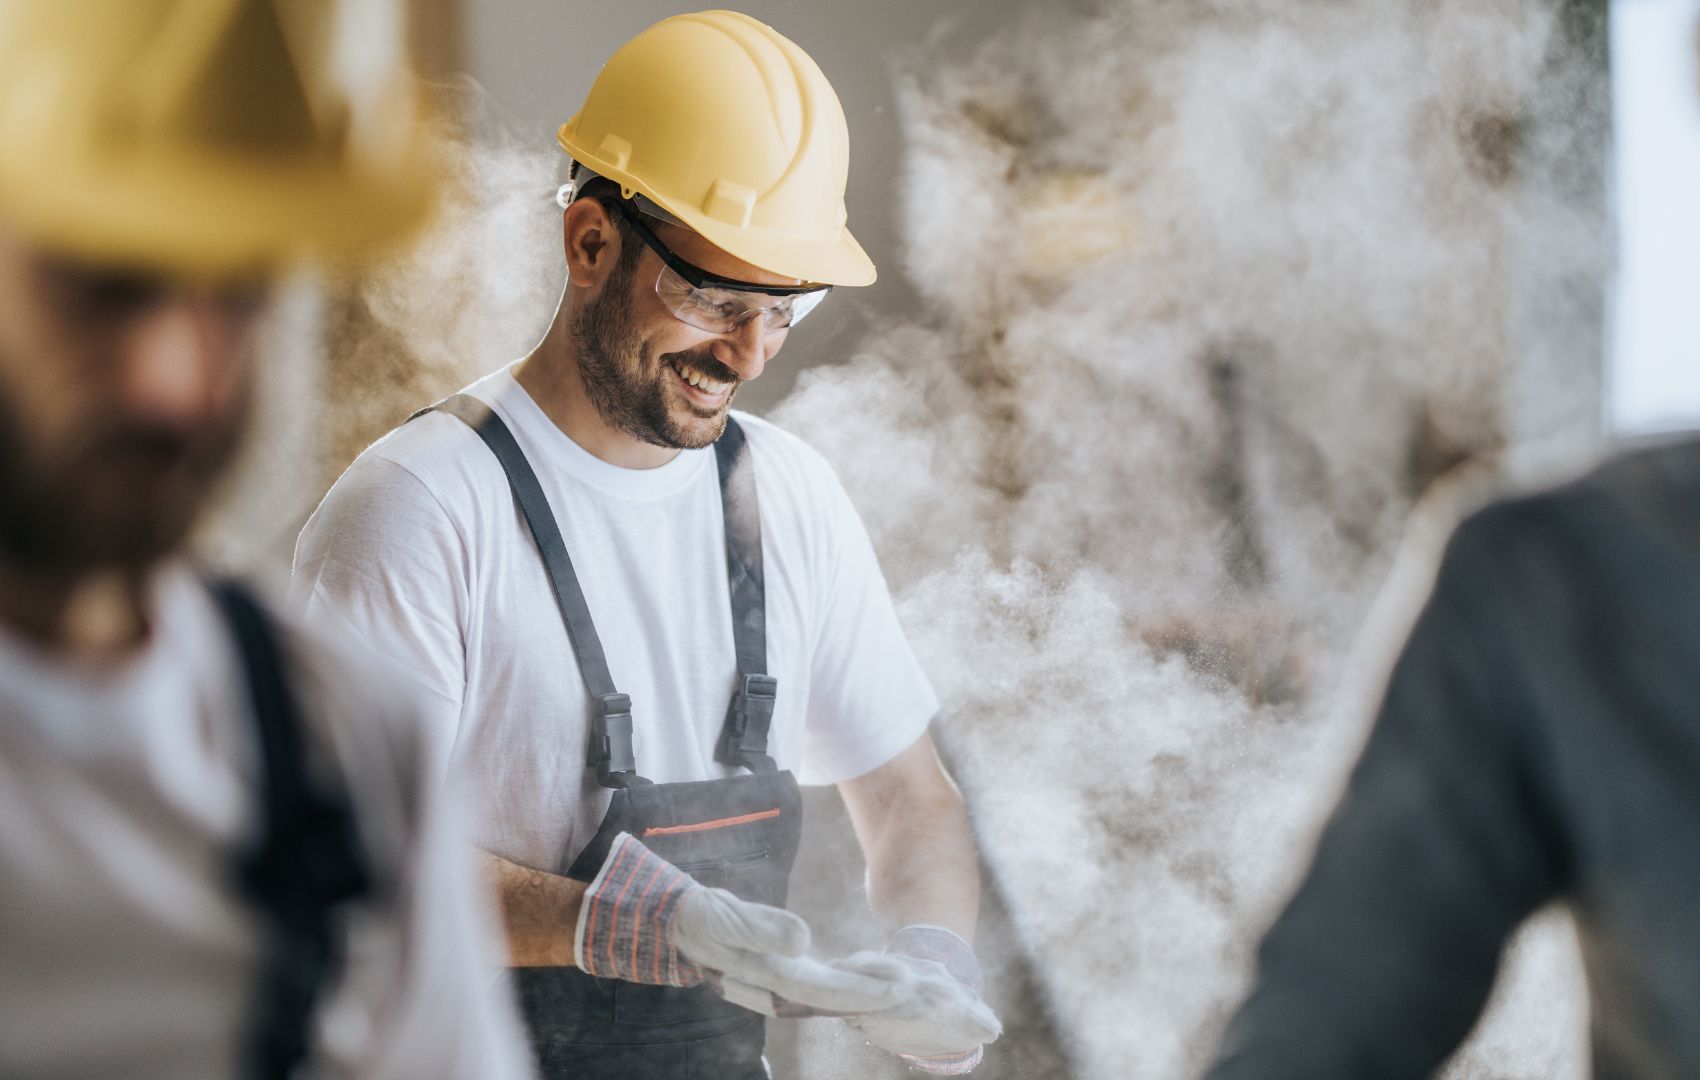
<point>207,135</point>
<point>732,129</point>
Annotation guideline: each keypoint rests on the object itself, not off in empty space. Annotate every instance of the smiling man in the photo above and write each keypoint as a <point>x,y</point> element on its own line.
<point>645,616</point>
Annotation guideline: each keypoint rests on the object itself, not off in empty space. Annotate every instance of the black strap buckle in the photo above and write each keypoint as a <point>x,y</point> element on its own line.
<point>611,743</point>
<point>743,741</point>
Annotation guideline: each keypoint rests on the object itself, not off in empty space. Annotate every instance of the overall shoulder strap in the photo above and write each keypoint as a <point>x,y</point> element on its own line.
<point>611,752</point>
<point>743,738</point>
<point>306,865</point>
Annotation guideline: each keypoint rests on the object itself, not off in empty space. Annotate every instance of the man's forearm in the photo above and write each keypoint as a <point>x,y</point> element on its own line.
<point>923,869</point>
<point>918,843</point>
<point>539,911</point>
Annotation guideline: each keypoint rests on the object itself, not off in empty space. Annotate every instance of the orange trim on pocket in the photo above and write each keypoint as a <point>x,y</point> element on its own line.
<point>720,823</point>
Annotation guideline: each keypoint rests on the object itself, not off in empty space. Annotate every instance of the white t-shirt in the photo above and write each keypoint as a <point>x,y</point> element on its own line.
<point>125,792</point>
<point>421,549</point>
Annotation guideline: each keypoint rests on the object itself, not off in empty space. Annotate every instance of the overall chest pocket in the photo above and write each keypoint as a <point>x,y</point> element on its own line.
<point>730,853</point>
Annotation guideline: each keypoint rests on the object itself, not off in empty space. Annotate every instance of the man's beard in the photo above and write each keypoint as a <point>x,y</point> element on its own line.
<point>629,386</point>
<point>118,498</point>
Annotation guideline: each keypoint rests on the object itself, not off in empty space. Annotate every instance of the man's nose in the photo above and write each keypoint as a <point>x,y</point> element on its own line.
<point>747,349</point>
<point>182,360</point>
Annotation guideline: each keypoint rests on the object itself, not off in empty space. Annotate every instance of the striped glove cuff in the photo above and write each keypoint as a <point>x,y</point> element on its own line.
<point>627,919</point>
<point>946,1064</point>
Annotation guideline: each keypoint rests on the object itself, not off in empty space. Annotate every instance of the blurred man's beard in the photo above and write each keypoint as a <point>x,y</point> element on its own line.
<point>116,499</point>
<point>637,401</point>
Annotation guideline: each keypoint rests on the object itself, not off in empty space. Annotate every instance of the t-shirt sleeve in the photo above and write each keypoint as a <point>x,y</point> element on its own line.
<point>381,560</point>
<point>1443,842</point>
<point>437,1003</point>
<point>869,699</point>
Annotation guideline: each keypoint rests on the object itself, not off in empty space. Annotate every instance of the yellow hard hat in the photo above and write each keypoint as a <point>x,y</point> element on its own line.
<point>732,129</point>
<point>207,135</point>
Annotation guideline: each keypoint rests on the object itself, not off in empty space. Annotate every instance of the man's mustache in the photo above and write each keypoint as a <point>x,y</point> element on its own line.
<point>704,363</point>
<point>149,446</point>
<point>161,451</point>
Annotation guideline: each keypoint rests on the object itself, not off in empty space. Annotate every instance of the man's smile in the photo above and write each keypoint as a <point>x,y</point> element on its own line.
<point>699,387</point>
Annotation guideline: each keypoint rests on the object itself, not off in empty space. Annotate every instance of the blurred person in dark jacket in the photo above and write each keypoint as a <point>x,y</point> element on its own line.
<point>1540,741</point>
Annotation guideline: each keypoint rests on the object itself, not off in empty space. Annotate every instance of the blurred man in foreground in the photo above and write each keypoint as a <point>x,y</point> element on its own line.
<point>220,850</point>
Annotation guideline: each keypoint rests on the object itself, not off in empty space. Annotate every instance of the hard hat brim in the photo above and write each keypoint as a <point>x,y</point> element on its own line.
<point>835,262</point>
<point>840,261</point>
<point>216,216</point>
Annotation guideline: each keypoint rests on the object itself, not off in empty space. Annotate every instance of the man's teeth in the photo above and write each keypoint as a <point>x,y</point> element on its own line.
<point>700,381</point>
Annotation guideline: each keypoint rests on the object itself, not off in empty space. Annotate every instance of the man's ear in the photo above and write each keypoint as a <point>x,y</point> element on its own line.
<point>591,241</point>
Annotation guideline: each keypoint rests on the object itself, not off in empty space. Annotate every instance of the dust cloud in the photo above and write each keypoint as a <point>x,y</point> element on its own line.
<point>1218,294</point>
<point>473,291</point>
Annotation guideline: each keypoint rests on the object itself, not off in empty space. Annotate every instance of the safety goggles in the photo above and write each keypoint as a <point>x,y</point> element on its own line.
<point>721,305</point>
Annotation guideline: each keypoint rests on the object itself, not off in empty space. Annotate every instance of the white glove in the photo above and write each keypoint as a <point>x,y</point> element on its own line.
<point>941,1026</point>
<point>646,921</point>
<point>758,952</point>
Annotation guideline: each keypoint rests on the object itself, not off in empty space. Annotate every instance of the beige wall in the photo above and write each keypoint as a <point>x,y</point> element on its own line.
<point>437,33</point>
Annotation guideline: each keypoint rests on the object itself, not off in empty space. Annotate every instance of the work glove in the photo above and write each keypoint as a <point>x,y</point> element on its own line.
<point>941,1026</point>
<point>644,920</point>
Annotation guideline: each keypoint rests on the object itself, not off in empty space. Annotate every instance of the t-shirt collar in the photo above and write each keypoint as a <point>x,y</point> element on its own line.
<point>533,428</point>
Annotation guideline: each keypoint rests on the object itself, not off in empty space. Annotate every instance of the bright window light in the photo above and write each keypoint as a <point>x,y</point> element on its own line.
<point>1653,377</point>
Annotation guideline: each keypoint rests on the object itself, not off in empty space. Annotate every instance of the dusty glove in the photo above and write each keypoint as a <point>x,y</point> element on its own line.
<point>941,1026</point>
<point>644,920</point>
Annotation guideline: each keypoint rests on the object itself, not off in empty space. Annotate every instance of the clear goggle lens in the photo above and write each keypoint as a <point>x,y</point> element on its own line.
<point>722,311</point>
